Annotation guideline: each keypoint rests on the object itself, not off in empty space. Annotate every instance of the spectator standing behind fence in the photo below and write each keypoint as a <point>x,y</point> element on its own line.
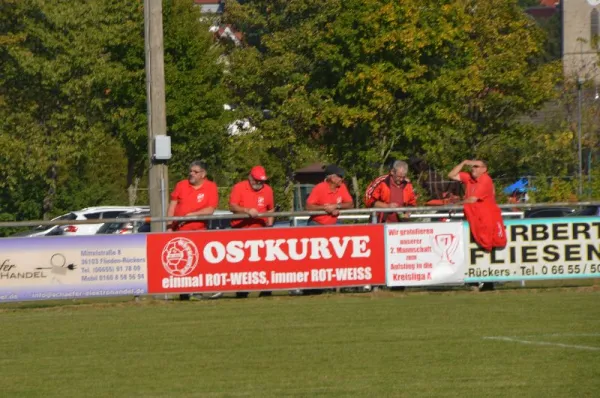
<point>252,196</point>
<point>390,191</point>
<point>330,195</point>
<point>480,207</point>
<point>195,196</point>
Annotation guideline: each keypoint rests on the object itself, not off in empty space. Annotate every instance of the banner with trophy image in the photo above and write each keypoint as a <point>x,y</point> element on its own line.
<point>420,254</point>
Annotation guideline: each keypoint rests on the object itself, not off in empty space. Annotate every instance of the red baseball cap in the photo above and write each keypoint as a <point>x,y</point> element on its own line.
<point>258,173</point>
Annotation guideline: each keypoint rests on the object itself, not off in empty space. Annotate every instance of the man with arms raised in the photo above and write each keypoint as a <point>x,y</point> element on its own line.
<point>482,212</point>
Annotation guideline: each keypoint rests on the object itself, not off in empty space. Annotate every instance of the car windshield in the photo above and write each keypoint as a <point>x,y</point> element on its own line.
<point>66,217</point>
<point>114,227</point>
<point>588,211</point>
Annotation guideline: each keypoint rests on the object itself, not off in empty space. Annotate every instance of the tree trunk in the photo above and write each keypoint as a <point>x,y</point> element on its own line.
<point>48,203</point>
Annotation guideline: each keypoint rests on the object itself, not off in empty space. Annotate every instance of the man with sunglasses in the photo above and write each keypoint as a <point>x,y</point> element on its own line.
<point>330,195</point>
<point>390,191</point>
<point>195,196</point>
<point>480,207</point>
<point>252,196</point>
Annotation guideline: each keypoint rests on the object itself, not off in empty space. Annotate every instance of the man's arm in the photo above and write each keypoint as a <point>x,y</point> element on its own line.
<point>312,202</point>
<point>383,205</point>
<point>454,173</point>
<point>329,208</point>
<point>235,208</point>
<point>270,220</point>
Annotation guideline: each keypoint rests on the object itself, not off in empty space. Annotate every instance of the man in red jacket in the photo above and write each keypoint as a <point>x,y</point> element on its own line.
<point>480,207</point>
<point>391,190</point>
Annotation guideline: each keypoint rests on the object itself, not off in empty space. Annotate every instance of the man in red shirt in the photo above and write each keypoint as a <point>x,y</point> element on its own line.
<point>480,208</point>
<point>482,212</point>
<point>252,197</point>
<point>390,191</point>
<point>330,195</point>
<point>195,196</point>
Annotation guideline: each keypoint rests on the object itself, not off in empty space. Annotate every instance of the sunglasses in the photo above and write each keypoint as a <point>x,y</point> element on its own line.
<point>476,167</point>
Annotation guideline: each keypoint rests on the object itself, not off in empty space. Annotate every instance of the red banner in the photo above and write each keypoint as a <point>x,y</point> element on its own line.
<point>266,259</point>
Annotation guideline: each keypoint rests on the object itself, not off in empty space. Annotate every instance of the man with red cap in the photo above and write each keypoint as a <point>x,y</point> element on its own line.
<point>330,195</point>
<point>252,196</point>
<point>196,196</point>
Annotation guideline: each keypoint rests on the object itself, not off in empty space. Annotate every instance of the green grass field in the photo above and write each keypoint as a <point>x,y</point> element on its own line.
<point>507,343</point>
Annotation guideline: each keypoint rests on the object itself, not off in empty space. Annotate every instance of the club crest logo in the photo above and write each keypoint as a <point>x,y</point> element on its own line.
<point>180,256</point>
<point>260,201</point>
<point>200,197</point>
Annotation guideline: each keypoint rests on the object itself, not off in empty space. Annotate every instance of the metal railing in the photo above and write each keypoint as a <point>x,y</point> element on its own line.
<point>452,211</point>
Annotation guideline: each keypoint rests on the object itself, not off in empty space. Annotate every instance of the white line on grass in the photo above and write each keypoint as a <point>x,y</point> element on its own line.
<point>513,340</point>
<point>564,335</point>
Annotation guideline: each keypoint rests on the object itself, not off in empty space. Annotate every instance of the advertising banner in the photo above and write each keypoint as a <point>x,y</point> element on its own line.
<point>47,268</point>
<point>266,259</point>
<point>549,248</point>
<point>424,254</point>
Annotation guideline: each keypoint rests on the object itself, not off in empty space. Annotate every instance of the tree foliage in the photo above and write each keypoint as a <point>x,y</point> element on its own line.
<point>73,128</point>
<point>372,80</point>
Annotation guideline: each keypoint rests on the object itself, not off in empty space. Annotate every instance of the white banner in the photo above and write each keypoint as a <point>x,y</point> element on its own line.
<point>72,267</point>
<point>537,248</point>
<point>424,254</point>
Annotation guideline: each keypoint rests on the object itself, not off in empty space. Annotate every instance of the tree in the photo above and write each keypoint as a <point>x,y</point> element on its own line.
<point>50,119</point>
<point>72,100</point>
<point>372,80</point>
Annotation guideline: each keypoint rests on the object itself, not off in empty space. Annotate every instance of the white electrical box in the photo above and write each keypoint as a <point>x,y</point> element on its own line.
<point>162,147</point>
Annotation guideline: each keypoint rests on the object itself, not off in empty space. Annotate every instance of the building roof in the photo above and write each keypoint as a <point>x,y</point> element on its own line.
<point>549,3</point>
<point>541,12</point>
<point>312,168</point>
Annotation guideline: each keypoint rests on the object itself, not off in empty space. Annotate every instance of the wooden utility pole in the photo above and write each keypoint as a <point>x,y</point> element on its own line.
<point>157,119</point>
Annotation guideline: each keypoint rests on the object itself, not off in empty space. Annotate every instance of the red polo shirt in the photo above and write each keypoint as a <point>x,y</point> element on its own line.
<point>323,195</point>
<point>482,187</point>
<point>243,195</point>
<point>190,199</point>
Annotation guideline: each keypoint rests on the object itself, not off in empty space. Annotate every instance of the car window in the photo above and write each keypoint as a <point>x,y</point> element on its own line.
<point>111,214</point>
<point>92,216</point>
<point>588,211</point>
<point>219,224</point>
<point>549,213</point>
<point>111,227</point>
